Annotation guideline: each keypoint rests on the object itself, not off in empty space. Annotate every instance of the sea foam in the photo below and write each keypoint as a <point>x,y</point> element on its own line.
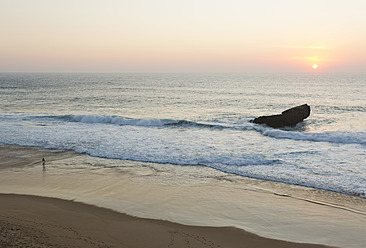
<point>117,120</point>
<point>340,137</point>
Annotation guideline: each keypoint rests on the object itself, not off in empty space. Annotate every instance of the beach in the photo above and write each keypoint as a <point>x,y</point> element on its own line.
<point>94,217</point>
<point>29,221</point>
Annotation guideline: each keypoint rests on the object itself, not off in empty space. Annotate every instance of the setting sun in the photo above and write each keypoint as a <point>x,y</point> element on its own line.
<point>315,66</point>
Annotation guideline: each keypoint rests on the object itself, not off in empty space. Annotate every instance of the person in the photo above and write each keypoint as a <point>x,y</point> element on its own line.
<point>44,163</point>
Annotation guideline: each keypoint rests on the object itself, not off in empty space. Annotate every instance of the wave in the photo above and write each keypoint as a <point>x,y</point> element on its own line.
<point>127,121</point>
<point>339,137</point>
<point>148,122</point>
<point>296,133</point>
<point>118,120</point>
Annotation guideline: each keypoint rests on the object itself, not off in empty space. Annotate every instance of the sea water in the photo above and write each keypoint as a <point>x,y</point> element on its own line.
<point>198,120</point>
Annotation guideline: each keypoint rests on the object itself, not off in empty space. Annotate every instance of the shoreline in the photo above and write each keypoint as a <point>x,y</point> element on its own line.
<point>274,211</point>
<point>57,154</point>
<point>34,221</point>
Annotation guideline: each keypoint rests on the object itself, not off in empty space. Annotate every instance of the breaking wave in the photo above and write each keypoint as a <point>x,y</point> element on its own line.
<point>337,137</point>
<point>148,122</point>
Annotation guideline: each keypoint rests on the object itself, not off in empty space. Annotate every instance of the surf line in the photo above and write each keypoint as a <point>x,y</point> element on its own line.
<point>327,204</point>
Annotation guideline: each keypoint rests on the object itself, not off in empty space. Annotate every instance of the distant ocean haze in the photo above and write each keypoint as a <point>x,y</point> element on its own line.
<point>198,120</point>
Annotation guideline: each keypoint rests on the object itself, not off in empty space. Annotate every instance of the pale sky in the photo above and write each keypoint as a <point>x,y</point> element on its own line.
<point>185,35</point>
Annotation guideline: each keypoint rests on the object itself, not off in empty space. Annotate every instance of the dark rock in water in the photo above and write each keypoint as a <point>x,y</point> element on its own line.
<point>289,117</point>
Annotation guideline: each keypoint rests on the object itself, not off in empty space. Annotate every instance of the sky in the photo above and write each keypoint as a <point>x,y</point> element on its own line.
<point>184,35</point>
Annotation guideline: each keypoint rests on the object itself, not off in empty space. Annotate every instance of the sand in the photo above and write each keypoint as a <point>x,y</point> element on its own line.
<point>37,221</point>
<point>31,221</point>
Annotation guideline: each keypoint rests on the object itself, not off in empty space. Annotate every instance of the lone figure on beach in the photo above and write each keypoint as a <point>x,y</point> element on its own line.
<point>44,163</point>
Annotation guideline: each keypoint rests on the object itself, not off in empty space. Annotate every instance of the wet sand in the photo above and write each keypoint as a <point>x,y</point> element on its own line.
<point>30,221</point>
<point>209,210</point>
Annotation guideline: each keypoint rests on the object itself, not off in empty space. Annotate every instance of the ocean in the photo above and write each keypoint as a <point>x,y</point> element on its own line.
<point>190,121</point>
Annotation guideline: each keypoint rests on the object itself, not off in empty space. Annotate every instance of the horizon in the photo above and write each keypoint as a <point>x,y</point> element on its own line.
<point>182,37</point>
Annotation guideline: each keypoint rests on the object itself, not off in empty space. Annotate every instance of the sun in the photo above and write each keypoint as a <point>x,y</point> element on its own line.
<point>315,66</point>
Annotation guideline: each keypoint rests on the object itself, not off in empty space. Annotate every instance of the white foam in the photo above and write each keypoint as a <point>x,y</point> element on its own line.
<point>117,120</point>
<point>341,137</point>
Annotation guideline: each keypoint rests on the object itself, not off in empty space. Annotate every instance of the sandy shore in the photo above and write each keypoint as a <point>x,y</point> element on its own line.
<point>31,221</point>
<point>274,210</point>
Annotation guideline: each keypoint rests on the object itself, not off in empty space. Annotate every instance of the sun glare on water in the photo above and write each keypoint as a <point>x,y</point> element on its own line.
<point>315,66</point>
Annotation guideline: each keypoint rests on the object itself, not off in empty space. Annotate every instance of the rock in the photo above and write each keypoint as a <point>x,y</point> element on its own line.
<point>289,117</point>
